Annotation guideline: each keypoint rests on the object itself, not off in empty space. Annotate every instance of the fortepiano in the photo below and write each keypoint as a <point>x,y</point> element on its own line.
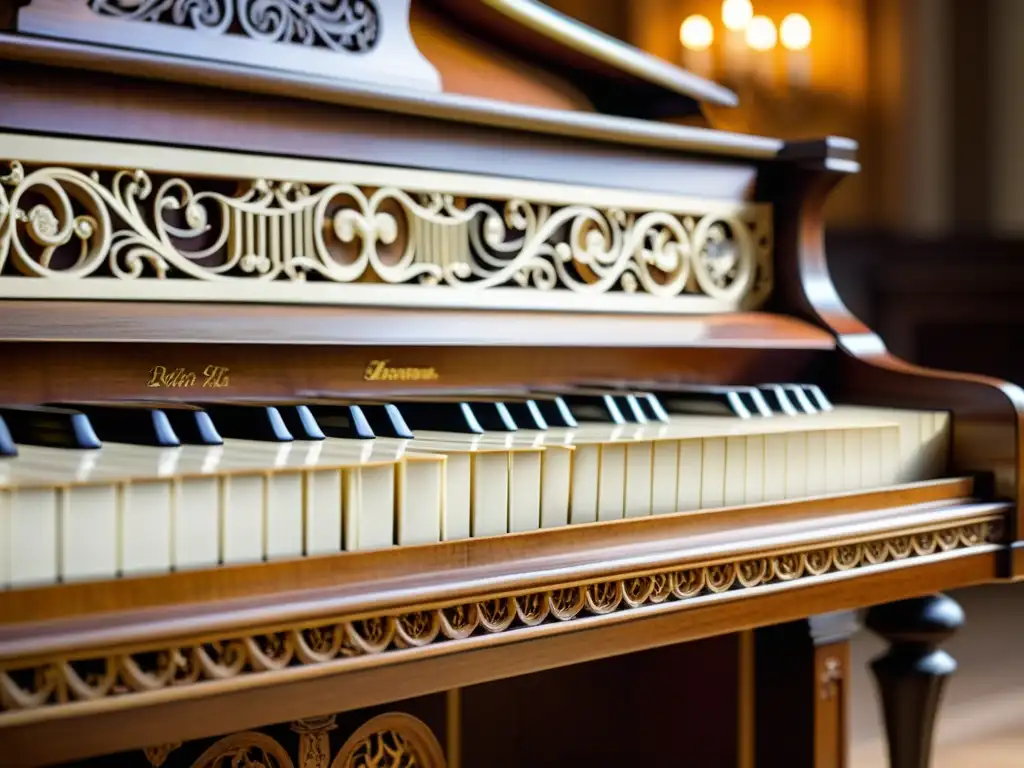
<point>434,386</point>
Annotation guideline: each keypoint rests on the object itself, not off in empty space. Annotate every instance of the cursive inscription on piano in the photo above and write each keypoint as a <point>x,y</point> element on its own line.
<point>213,377</point>
<point>379,370</point>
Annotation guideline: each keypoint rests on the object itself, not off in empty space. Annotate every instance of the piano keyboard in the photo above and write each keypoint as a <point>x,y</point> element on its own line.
<point>98,492</point>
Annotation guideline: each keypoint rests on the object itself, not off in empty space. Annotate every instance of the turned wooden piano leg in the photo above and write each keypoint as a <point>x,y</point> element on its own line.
<point>801,674</point>
<point>912,674</point>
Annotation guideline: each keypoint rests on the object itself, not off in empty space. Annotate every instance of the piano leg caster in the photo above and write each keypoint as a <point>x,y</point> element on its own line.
<point>912,674</point>
<point>801,692</point>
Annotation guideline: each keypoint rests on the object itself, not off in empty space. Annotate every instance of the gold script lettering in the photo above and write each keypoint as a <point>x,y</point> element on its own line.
<point>379,370</point>
<point>216,376</point>
<point>181,378</point>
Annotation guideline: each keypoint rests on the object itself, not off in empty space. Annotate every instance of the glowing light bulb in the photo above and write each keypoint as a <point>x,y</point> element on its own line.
<point>696,33</point>
<point>736,14</point>
<point>761,34</point>
<point>795,32</point>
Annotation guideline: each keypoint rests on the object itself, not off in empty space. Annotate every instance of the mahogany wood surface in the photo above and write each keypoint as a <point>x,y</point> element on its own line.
<point>64,350</point>
<point>988,414</point>
<point>67,101</point>
<point>313,587</point>
<point>95,730</point>
<point>803,672</point>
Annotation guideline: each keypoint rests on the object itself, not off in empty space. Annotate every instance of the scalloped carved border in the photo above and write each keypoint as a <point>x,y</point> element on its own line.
<point>78,221</point>
<point>94,676</point>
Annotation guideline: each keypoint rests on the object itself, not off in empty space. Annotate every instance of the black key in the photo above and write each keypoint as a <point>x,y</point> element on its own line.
<point>440,416</point>
<point>799,398</point>
<point>758,405</point>
<point>48,427</point>
<point>249,422</point>
<point>345,421</point>
<point>652,407</point>
<point>818,397</point>
<point>7,446</point>
<point>301,422</point>
<point>131,423</point>
<point>595,408</point>
<point>555,412</point>
<point>493,416</point>
<point>777,399</point>
<point>709,401</point>
<point>192,425</point>
<point>526,414</point>
<point>630,408</point>
<point>386,421</point>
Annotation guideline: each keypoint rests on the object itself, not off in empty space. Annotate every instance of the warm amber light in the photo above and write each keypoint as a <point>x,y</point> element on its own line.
<point>795,32</point>
<point>736,14</point>
<point>761,34</point>
<point>696,33</point>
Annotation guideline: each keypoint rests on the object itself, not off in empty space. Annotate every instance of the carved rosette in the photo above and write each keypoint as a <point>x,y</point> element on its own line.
<point>328,643</point>
<point>63,224</point>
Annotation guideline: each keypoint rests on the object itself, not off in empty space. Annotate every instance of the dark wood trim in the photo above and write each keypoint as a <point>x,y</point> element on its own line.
<point>453,109</point>
<point>89,731</point>
<point>316,587</point>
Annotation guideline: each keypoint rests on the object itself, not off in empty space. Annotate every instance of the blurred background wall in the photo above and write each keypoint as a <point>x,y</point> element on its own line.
<point>927,243</point>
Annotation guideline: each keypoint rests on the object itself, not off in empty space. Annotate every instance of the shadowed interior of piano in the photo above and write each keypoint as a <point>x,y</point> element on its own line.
<point>421,384</point>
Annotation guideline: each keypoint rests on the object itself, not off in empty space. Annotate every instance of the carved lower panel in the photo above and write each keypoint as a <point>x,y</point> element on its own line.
<point>389,740</point>
<point>270,653</point>
<point>77,221</point>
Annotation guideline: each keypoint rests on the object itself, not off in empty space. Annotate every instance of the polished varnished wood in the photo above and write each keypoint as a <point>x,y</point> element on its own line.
<point>912,675</point>
<point>358,582</point>
<point>989,413</point>
<point>803,673</point>
<point>494,610</point>
<point>180,716</point>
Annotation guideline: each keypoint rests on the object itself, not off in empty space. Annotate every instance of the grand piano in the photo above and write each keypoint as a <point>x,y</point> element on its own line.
<point>433,386</point>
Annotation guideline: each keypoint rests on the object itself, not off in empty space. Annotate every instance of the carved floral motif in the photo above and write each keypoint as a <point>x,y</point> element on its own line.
<point>64,224</point>
<point>340,25</point>
<point>62,680</point>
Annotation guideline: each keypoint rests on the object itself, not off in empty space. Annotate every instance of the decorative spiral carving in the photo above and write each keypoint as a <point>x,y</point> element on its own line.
<point>340,25</point>
<point>141,672</point>
<point>63,223</point>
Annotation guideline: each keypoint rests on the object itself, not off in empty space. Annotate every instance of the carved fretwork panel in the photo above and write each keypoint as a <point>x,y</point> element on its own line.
<point>103,221</point>
<point>363,40</point>
<point>389,737</point>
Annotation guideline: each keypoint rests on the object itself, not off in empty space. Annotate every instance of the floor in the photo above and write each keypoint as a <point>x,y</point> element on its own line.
<point>981,722</point>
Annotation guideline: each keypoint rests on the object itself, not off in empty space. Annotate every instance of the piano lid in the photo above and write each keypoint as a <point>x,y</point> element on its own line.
<point>391,44</point>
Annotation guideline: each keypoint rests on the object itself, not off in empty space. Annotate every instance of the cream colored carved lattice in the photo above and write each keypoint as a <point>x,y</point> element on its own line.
<point>268,654</point>
<point>341,25</point>
<point>361,235</point>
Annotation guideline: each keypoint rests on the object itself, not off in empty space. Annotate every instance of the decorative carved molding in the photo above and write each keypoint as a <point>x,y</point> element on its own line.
<point>342,39</point>
<point>203,662</point>
<point>314,741</point>
<point>248,749</point>
<point>134,233</point>
<point>158,755</point>
<point>391,740</point>
<point>339,25</point>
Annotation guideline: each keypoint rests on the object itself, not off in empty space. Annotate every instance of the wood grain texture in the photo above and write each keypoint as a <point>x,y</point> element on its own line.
<point>366,581</point>
<point>988,414</point>
<point>91,731</point>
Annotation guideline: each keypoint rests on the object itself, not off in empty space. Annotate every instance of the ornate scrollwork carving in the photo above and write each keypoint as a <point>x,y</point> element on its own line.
<point>249,749</point>
<point>391,740</point>
<point>340,25</point>
<point>143,671</point>
<point>61,224</point>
